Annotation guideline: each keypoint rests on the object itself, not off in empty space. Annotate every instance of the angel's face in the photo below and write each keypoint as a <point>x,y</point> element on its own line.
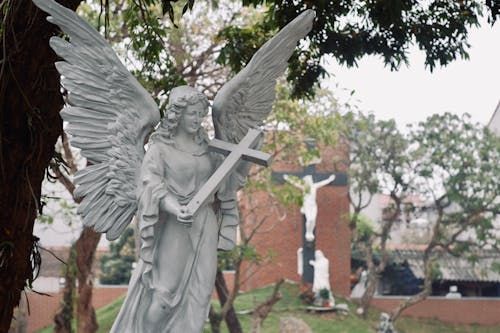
<point>191,118</point>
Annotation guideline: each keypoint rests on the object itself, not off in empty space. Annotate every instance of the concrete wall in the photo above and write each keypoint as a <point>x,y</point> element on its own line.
<point>470,310</point>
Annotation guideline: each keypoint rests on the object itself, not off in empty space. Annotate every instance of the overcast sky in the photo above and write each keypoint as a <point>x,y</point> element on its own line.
<point>413,93</point>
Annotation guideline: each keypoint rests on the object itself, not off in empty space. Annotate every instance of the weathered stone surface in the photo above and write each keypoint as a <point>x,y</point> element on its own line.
<point>293,325</point>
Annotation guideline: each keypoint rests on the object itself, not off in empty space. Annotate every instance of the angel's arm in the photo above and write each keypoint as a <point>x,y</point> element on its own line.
<point>293,182</point>
<point>152,177</point>
<point>324,182</point>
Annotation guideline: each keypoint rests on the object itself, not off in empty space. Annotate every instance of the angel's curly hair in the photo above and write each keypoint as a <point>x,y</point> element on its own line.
<point>166,131</point>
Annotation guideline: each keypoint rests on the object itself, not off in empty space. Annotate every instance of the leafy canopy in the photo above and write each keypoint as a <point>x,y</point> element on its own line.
<point>351,29</point>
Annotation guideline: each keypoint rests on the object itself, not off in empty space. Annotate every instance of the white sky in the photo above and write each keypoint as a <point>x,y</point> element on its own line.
<point>413,93</point>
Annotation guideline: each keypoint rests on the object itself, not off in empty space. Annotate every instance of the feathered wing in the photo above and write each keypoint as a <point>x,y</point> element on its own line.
<point>109,116</point>
<point>247,99</point>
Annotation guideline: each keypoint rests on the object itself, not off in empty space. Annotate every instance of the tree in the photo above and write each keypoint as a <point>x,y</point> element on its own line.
<point>456,166</point>
<point>349,30</point>
<point>30,101</point>
<point>377,164</point>
<point>449,162</point>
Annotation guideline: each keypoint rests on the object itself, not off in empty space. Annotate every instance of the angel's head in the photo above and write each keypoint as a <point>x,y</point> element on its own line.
<point>185,111</point>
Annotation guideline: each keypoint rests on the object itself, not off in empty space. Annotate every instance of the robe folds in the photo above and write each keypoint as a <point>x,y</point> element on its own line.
<point>177,265</point>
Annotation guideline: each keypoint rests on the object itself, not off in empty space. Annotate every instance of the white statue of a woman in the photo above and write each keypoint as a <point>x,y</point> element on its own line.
<point>109,116</point>
<point>309,206</point>
<point>321,275</point>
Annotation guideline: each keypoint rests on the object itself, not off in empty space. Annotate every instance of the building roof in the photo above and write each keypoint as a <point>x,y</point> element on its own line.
<point>453,268</point>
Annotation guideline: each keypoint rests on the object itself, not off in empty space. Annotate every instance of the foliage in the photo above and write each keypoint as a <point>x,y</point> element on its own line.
<point>448,162</point>
<point>377,164</point>
<point>324,294</point>
<point>344,30</point>
<point>349,30</point>
<point>456,165</point>
<point>364,227</point>
<point>377,159</point>
<point>116,266</point>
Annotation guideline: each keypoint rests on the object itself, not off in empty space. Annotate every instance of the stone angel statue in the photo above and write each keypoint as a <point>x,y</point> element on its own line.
<point>169,188</point>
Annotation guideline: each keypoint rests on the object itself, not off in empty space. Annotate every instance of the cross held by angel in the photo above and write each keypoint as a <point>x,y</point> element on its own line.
<point>171,187</point>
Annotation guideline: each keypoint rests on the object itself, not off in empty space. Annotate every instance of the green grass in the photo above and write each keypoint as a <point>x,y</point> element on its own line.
<point>290,305</point>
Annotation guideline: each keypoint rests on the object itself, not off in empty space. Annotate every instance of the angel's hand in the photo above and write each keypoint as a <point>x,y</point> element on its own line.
<point>184,216</point>
<point>170,205</point>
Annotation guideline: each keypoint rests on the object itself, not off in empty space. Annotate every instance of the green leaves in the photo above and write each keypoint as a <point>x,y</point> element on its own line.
<point>350,30</point>
<point>242,43</point>
<point>377,156</point>
<point>117,265</point>
<point>364,227</point>
<point>166,7</point>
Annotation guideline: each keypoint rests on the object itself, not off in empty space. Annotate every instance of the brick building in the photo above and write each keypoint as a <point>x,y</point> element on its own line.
<point>282,233</point>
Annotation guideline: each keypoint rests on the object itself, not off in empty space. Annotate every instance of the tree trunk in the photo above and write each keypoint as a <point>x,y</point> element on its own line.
<point>30,101</point>
<point>63,318</point>
<point>371,284</point>
<point>263,310</point>
<point>428,260</point>
<point>86,246</point>
<point>233,324</point>
<point>415,298</point>
<point>375,270</point>
<point>215,320</point>
<point>19,324</point>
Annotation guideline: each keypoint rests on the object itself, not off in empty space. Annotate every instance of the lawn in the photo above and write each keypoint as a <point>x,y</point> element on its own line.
<point>290,305</point>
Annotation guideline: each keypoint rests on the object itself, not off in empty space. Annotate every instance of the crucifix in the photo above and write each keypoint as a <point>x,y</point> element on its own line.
<point>312,180</point>
<point>235,153</point>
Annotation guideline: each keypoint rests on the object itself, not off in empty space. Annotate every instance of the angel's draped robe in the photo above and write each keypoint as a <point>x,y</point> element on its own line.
<point>177,263</point>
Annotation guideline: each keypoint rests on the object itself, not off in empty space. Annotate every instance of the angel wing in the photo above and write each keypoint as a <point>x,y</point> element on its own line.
<point>109,116</point>
<point>245,100</point>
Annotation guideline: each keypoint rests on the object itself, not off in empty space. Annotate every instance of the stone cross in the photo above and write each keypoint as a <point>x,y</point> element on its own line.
<point>309,247</point>
<point>235,152</point>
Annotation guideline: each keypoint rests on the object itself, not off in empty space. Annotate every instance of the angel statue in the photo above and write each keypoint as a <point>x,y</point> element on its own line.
<point>171,188</point>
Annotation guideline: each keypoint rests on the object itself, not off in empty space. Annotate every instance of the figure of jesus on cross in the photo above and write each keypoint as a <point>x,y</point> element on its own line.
<point>309,206</point>
<point>309,181</point>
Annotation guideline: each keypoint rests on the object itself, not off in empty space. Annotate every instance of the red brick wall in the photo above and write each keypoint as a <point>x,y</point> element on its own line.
<point>481,311</point>
<point>43,308</point>
<point>284,237</point>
